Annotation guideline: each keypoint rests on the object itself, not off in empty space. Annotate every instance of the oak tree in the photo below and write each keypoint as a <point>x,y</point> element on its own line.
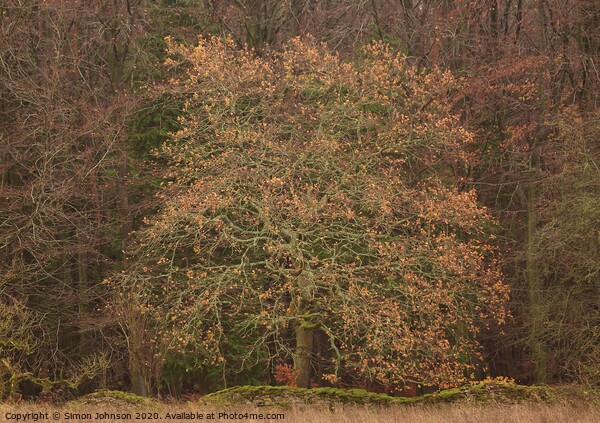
<point>313,212</point>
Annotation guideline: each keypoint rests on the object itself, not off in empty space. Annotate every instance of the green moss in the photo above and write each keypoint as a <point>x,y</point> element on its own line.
<point>482,393</point>
<point>105,397</point>
<point>286,396</point>
<point>448,395</point>
<point>11,386</point>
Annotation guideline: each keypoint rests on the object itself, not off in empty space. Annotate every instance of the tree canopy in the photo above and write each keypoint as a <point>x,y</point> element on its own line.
<point>313,212</point>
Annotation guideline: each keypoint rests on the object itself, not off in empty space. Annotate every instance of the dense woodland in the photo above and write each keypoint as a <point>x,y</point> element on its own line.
<point>397,195</point>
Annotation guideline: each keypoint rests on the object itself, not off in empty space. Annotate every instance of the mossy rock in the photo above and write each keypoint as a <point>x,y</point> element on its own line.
<point>116,398</point>
<point>491,392</point>
<point>285,396</point>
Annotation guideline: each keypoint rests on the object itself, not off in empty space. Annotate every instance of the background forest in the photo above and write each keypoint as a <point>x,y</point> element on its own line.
<point>398,195</point>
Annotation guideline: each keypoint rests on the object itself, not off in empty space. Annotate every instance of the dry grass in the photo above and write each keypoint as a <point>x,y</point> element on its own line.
<point>521,413</point>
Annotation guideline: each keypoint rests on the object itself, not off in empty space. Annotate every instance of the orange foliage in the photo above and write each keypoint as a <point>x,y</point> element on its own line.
<point>309,192</point>
<point>285,374</point>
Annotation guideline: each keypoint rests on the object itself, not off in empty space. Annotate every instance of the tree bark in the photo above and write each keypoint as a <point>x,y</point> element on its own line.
<point>302,358</point>
<point>139,368</point>
<point>139,385</point>
<point>536,310</point>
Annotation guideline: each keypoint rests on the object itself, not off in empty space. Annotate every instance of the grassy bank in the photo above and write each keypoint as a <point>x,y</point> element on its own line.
<point>483,402</point>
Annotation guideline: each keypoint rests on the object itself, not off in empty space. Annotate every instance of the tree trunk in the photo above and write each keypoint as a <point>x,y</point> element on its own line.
<point>537,315</point>
<point>139,366</point>
<point>536,310</point>
<point>82,294</point>
<point>299,17</point>
<point>302,357</point>
<point>139,385</point>
<point>302,296</point>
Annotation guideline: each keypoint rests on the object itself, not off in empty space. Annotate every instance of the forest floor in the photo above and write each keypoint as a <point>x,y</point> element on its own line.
<point>490,402</point>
